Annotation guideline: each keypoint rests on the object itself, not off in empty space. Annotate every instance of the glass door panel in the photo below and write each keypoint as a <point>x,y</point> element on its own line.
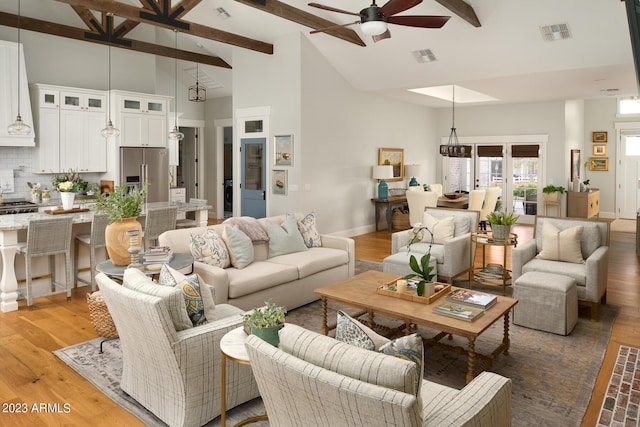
<point>525,185</point>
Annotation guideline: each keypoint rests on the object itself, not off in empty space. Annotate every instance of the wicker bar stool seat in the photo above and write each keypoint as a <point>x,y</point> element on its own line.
<point>48,237</point>
<point>92,241</point>
<point>157,222</point>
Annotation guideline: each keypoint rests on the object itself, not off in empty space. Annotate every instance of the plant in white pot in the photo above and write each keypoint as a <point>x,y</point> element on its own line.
<point>265,322</point>
<point>501,223</point>
<point>552,193</point>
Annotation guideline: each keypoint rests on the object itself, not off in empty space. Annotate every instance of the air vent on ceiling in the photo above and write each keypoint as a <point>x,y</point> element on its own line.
<point>555,32</point>
<point>424,55</point>
<point>203,78</point>
<point>222,13</point>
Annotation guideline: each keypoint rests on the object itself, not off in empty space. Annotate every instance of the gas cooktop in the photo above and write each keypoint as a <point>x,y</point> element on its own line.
<point>17,206</point>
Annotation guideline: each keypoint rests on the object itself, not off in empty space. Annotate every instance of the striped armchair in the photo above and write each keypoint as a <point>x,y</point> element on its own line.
<point>314,380</point>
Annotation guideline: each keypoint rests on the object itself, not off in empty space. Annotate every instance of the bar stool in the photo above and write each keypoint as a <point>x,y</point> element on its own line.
<point>48,237</point>
<point>191,222</point>
<point>157,222</point>
<point>92,241</point>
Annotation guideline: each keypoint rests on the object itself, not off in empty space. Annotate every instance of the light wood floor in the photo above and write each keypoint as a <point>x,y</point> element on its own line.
<point>31,374</point>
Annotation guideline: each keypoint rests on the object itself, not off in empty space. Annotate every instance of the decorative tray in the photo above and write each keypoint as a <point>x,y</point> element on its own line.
<point>411,294</point>
<point>62,211</point>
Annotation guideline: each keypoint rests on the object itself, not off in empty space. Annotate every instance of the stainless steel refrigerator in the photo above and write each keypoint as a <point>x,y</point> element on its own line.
<point>151,165</point>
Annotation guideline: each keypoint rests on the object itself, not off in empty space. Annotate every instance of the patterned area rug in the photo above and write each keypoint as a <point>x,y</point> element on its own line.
<point>553,376</point>
<point>620,406</point>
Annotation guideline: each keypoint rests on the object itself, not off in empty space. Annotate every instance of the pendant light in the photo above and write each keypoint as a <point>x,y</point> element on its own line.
<point>110,131</point>
<point>453,147</point>
<point>175,134</point>
<point>19,127</point>
<point>197,93</point>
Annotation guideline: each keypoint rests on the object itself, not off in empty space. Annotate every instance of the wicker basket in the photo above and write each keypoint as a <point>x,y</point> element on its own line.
<point>100,316</point>
<point>400,220</point>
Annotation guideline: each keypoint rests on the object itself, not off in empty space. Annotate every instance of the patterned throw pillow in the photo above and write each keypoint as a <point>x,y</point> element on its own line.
<point>409,347</point>
<point>198,299</point>
<point>310,235</point>
<point>209,248</point>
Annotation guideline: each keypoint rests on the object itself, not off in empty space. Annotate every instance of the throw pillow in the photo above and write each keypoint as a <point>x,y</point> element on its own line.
<point>171,297</point>
<point>310,235</point>
<point>561,245</point>
<point>209,248</point>
<point>442,229</point>
<point>350,331</point>
<point>409,347</point>
<point>249,226</point>
<point>198,298</point>
<point>240,247</point>
<point>284,239</point>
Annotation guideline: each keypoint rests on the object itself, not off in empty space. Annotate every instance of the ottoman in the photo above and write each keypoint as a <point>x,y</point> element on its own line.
<point>399,264</point>
<point>546,301</point>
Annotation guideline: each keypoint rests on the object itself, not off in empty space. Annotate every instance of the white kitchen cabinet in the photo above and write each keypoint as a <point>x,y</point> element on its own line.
<point>142,119</point>
<point>178,194</point>
<point>68,126</point>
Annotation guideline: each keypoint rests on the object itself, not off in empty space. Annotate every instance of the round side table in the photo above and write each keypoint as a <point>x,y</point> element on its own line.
<point>232,349</point>
<point>178,262</point>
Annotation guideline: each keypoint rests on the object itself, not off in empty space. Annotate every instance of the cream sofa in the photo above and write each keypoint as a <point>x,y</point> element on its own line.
<point>287,280</point>
<point>315,380</point>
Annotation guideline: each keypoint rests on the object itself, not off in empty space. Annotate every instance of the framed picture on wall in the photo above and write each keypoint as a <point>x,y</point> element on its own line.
<point>599,164</point>
<point>599,137</point>
<point>575,164</point>
<point>279,182</point>
<point>600,150</point>
<point>283,150</point>
<point>395,158</point>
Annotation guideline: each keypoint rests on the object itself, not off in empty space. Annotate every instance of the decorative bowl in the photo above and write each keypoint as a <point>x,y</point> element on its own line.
<point>452,195</point>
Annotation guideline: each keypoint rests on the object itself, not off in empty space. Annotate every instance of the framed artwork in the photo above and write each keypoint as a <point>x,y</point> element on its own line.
<point>600,150</point>
<point>599,164</point>
<point>599,137</point>
<point>575,164</point>
<point>395,158</point>
<point>279,183</point>
<point>283,150</point>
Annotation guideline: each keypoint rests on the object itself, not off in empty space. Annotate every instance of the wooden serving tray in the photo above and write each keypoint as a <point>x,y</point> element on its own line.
<point>411,294</point>
<point>62,211</point>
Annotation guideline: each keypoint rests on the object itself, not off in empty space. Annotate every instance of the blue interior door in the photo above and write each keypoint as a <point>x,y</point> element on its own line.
<point>253,182</point>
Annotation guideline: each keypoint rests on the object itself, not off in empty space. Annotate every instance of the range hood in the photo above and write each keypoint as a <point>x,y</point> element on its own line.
<point>9,96</point>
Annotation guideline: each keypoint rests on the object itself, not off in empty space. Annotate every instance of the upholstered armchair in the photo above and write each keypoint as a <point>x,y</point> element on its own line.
<point>589,269</point>
<point>417,201</point>
<point>314,380</point>
<point>174,374</point>
<point>451,250</point>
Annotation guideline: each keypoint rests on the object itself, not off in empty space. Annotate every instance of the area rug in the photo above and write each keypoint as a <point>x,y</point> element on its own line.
<point>620,406</point>
<point>553,376</point>
<point>624,226</point>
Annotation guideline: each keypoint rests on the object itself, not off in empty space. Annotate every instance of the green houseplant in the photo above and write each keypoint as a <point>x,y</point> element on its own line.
<point>265,322</point>
<point>552,193</point>
<point>501,223</point>
<point>122,206</point>
<point>422,270</point>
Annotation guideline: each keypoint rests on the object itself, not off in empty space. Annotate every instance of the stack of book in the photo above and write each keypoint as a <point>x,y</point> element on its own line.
<point>493,273</point>
<point>158,255</point>
<point>465,304</point>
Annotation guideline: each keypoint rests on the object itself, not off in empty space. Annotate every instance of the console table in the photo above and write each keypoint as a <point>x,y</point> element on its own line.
<point>584,204</point>
<point>389,203</point>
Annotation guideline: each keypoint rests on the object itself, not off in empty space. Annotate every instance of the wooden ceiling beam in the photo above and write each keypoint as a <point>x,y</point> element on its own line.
<point>463,10</point>
<point>59,30</point>
<point>301,17</point>
<point>169,19</point>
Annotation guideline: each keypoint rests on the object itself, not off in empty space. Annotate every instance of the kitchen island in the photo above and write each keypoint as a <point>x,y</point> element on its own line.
<point>14,226</point>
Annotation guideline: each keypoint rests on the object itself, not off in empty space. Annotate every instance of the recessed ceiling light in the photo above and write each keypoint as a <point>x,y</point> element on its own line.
<point>463,95</point>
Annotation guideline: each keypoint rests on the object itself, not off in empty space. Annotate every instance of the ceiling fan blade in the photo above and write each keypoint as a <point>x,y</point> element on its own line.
<point>419,21</point>
<point>333,9</point>
<point>396,6</point>
<point>385,35</point>
<point>333,27</point>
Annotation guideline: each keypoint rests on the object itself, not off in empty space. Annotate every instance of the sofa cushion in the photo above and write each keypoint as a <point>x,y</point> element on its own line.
<point>209,248</point>
<point>573,270</point>
<point>313,261</point>
<point>249,226</point>
<point>198,298</point>
<point>442,229</point>
<point>240,246</point>
<point>286,238</point>
<point>562,245</point>
<point>310,235</point>
<point>171,297</point>
<point>258,276</point>
<point>590,240</point>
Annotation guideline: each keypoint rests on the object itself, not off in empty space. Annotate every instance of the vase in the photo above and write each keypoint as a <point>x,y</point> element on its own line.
<point>500,231</point>
<point>269,335</point>
<point>67,198</point>
<point>118,242</point>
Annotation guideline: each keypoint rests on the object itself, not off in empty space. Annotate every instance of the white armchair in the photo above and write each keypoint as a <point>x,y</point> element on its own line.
<point>452,255</point>
<point>590,276</point>
<point>174,374</point>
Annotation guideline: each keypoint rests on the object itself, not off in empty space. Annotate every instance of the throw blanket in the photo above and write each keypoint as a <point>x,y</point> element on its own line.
<point>249,226</point>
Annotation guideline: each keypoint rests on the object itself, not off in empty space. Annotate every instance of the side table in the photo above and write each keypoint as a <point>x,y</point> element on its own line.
<point>388,203</point>
<point>232,349</point>
<point>486,276</point>
<point>178,262</point>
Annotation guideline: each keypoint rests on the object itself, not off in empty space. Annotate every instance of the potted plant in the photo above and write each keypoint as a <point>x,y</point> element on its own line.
<point>122,206</point>
<point>501,223</point>
<point>265,322</point>
<point>422,270</point>
<point>552,194</point>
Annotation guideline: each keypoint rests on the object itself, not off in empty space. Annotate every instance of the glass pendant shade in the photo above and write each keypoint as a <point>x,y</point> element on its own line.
<point>175,134</point>
<point>18,127</point>
<point>110,131</point>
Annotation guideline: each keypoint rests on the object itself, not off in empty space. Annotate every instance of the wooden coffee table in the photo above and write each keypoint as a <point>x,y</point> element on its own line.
<point>360,291</point>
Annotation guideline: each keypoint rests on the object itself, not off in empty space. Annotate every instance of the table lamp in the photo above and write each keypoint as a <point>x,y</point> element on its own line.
<point>412,171</point>
<point>383,172</point>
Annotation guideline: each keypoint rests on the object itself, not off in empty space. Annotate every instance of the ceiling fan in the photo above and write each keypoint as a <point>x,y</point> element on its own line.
<point>374,19</point>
